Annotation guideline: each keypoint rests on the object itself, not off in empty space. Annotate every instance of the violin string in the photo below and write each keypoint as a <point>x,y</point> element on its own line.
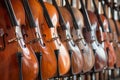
<point>32,36</point>
<point>31,28</point>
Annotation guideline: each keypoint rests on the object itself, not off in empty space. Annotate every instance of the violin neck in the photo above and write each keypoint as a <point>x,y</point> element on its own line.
<point>73,3</point>
<point>85,15</point>
<point>46,15</point>
<point>116,26</point>
<point>106,15</point>
<point>61,21</point>
<point>100,9</point>
<point>109,14</point>
<point>72,15</point>
<point>98,15</point>
<point>29,13</point>
<point>11,13</point>
<point>85,2</point>
<point>89,5</point>
<point>59,2</point>
<point>78,4</point>
<point>104,8</point>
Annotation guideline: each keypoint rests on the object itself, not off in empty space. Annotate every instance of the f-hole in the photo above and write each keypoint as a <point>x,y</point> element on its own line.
<point>3,44</point>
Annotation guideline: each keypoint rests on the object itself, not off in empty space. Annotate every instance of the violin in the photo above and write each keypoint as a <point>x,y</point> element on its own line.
<point>112,25</point>
<point>66,38</point>
<point>115,28</point>
<point>91,26</point>
<point>116,18</point>
<point>17,59</point>
<point>104,36</point>
<point>76,30</point>
<point>50,35</point>
<point>34,21</point>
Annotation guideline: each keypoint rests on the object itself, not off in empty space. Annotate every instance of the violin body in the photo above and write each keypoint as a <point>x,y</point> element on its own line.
<point>13,47</point>
<point>115,42</point>
<point>85,47</point>
<point>50,35</point>
<point>48,66</point>
<point>108,46</point>
<point>66,38</point>
<point>118,45</point>
<point>118,25</point>
<point>100,54</point>
<point>89,33</point>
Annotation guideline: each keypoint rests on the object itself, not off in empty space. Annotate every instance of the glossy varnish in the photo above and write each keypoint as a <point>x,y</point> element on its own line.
<point>48,66</point>
<point>8,57</point>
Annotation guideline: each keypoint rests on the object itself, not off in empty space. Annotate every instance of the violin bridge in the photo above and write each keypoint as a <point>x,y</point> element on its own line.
<point>13,40</point>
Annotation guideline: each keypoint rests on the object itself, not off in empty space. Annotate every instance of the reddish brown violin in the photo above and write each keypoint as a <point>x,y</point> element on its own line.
<point>48,66</point>
<point>49,31</point>
<point>104,37</point>
<point>115,10</point>
<point>116,34</point>
<point>91,25</point>
<point>76,30</point>
<point>66,38</point>
<point>17,60</point>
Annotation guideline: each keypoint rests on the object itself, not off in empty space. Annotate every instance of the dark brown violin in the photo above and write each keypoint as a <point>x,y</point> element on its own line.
<point>34,21</point>
<point>66,38</point>
<point>104,36</point>
<point>17,60</point>
<point>91,26</point>
<point>49,32</point>
<point>76,30</point>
